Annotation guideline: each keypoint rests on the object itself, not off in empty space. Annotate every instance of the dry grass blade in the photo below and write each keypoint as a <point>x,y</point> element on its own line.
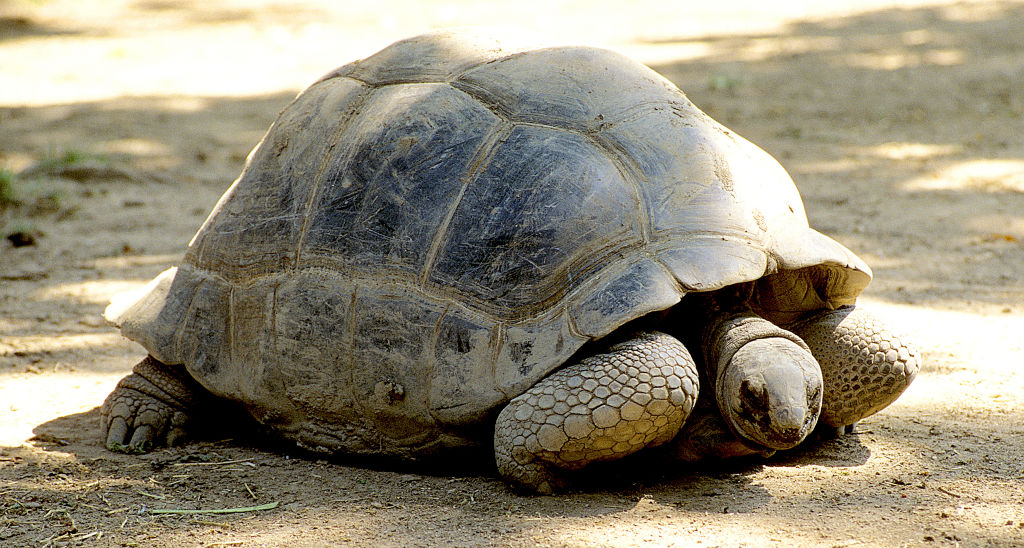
<point>150,495</point>
<point>267,506</point>
<point>222,463</point>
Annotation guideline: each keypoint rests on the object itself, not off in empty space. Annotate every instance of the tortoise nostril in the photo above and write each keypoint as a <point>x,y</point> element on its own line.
<point>786,420</point>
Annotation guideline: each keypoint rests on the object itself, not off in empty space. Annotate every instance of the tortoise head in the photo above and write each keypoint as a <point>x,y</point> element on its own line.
<point>770,393</point>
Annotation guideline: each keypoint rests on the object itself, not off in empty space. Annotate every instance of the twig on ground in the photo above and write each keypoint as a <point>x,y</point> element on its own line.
<point>268,506</point>
<point>150,495</point>
<point>247,462</point>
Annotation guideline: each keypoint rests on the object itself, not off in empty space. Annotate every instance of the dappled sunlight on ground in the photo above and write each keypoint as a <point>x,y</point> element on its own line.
<point>907,151</point>
<point>900,123</point>
<point>985,344</point>
<point>98,291</point>
<point>987,175</point>
<point>50,344</point>
<point>231,49</point>
<point>21,393</point>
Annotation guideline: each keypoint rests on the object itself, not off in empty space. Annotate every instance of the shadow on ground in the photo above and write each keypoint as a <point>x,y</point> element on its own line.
<point>901,128</point>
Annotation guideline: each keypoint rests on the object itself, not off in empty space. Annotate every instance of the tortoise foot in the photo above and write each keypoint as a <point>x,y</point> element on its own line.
<point>825,432</point>
<point>149,408</point>
<point>864,365</point>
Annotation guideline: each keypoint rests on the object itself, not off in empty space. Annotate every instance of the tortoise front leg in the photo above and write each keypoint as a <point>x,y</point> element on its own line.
<point>864,365</point>
<point>150,407</point>
<point>602,408</point>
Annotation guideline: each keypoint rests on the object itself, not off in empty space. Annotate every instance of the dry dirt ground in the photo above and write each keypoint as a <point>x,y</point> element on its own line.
<point>121,122</point>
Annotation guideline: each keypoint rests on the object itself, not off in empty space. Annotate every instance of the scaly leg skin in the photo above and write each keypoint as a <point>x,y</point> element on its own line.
<point>602,408</point>
<point>864,365</point>
<point>150,407</point>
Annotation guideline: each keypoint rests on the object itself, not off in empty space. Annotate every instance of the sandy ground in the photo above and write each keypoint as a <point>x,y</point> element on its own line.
<point>903,125</point>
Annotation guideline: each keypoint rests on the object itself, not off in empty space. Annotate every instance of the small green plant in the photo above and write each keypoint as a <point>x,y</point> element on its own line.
<point>7,195</point>
<point>33,196</point>
<point>724,82</point>
<point>137,449</point>
<point>70,157</point>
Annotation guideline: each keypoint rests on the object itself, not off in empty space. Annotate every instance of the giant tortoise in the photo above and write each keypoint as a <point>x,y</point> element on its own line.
<point>454,244</point>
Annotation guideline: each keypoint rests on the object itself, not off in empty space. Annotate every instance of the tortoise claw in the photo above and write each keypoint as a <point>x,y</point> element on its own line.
<point>148,408</point>
<point>117,433</point>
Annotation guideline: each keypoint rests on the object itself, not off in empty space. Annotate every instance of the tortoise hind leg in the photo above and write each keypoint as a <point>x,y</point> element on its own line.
<point>601,408</point>
<point>152,406</point>
<point>864,365</point>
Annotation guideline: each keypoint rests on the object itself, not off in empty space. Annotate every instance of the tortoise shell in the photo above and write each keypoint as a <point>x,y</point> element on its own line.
<point>423,234</point>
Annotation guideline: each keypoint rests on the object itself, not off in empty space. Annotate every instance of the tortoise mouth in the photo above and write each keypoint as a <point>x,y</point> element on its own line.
<point>772,434</point>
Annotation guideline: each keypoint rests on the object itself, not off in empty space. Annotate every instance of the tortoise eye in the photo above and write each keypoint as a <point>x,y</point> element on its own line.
<point>753,395</point>
<point>813,398</point>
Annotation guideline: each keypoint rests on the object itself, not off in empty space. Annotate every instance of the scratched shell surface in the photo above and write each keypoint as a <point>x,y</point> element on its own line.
<point>423,234</point>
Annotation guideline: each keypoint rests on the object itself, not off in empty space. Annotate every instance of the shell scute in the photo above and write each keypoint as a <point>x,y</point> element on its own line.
<point>385,190</point>
<point>393,329</point>
<point>631,291</point>
<point>263,212</point>
<point>462,389</point>
<point>555,86</point>
<point>433,57</point>
<point>544,209</point>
